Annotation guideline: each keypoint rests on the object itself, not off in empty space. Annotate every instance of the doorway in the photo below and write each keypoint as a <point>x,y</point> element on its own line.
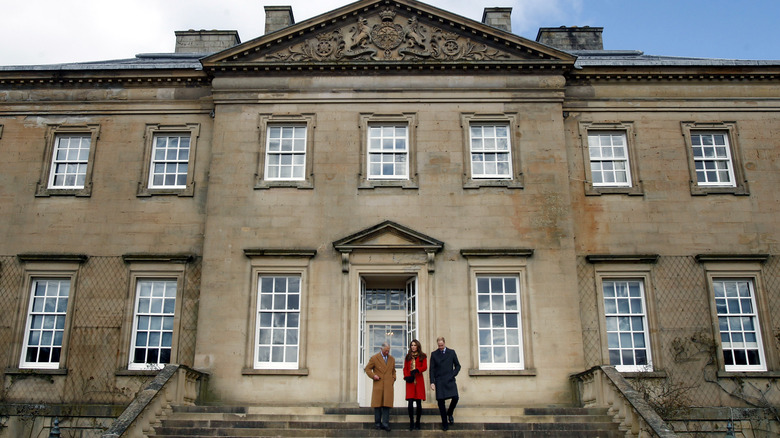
<point>388,313</point>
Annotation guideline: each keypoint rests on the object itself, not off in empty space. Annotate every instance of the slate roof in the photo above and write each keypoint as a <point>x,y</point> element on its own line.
<point>145,61</point>
<point>636,58</point>
<point>585,58</point>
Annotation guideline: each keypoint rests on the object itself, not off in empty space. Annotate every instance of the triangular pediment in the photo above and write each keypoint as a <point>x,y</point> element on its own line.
<point>397,33</point>
<point>388,235</point>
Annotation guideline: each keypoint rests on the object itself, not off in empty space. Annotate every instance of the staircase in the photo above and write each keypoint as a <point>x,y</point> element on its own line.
<point>297,421</point>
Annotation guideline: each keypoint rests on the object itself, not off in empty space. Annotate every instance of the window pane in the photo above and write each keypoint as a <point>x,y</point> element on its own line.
<point>45,323</point>
<point>169,166</point>
<point>69,162</point>
<point>277,346</point>
<point>498,319</point>
<point>625,324</point>
<point>738,324</point>
<point>609,159</point>
<point>154,315</point>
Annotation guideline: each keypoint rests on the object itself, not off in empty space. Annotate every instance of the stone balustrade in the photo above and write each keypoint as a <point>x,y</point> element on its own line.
<point>605,387</point>
<point>173,385</point>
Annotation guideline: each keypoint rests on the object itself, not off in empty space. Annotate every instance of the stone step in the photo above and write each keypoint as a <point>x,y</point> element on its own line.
<point>313,421</point>
<point>428,417</point>
<point>286,433</point>
<point>257,424</point>
<point>462,410</point>
<point>454,431</point>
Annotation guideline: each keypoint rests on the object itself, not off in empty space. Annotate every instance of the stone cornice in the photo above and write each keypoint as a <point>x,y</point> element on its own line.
<point>52,257</point>
<point>279,252</point>
<point>104,78</point>
<point>539,68</point>
<point>497,252</point>
<point>703,258</point>
<point>622,258</point>
<point>634,74</point>
<point>157,258</point>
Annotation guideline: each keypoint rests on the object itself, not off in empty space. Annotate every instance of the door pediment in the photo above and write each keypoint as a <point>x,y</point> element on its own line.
<point>376,32</point>
<point>387,236</point>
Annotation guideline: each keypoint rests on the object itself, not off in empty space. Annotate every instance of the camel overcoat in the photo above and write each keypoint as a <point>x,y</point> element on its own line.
<point>382,392</point>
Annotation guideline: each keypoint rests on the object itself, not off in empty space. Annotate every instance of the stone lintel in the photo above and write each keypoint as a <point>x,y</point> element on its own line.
<point>497,252</point>
<point>52,257</point>
<point>159,258</point>
<point>761,258</point>
<point>622,258</point>
<point>279,252</point>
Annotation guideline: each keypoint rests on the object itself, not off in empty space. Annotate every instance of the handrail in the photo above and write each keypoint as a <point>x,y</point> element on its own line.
<point>604,386</point>
<point>174,384</point>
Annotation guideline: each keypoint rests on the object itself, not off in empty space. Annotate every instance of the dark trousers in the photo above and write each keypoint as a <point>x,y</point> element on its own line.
<point>444,412</point>
<point>410,408</point>
<point>382,416</point>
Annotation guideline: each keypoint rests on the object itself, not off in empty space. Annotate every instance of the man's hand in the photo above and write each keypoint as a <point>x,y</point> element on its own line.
<point>433,387</point>
<point>376,377</point>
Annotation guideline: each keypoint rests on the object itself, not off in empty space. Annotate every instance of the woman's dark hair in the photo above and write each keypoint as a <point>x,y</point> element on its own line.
<point>419,350</point>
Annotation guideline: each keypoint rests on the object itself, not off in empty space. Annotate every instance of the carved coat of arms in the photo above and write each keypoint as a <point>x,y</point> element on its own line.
<point>410,41</point>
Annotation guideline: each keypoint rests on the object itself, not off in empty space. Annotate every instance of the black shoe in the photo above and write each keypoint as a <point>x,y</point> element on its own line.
<point>387,428</point>
<point>411,425</point>
<point>445,427</point>
<point>417,426</point>
<point>377,426</point>
<point>451,420</point>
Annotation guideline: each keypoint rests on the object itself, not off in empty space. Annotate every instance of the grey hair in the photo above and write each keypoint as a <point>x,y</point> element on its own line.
<point>385,344</point>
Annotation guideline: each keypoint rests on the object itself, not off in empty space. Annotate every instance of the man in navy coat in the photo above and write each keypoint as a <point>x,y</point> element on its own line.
<point>444,366</point>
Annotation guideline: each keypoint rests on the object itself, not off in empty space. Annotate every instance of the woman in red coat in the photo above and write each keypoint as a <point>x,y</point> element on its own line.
<point>415,364</point>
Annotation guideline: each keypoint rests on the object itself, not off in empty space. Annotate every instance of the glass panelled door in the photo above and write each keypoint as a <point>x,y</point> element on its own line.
<point>393,334</point>
<point>411,311</point>
<point>388,314</point>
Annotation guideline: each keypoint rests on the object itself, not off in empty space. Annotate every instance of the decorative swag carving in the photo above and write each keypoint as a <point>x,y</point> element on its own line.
<point>388,41</point>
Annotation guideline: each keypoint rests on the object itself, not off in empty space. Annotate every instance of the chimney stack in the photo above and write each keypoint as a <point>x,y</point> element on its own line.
<point>278,17</point>
<point>205,41</point>
<point>500,18</point>
<point>571,38</point>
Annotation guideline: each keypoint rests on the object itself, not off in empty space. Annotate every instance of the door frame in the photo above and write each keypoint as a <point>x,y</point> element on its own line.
<point>407,317</point>
<point>412,265</point>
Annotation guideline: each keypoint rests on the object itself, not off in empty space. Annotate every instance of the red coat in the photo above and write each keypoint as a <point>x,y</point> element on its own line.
<point>416,390</point>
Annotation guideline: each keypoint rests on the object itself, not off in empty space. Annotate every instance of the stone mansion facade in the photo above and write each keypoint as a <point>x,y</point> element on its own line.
<point>268,212</point>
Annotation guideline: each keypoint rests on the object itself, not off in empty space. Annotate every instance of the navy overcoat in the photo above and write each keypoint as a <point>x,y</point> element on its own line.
<point>442,369</point>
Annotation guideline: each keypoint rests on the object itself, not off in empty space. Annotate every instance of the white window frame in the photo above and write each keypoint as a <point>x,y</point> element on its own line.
<point>152,267</point>
<point>81,161</point>
<point>596,143</point>
<point>514,178</point>
<point>171,321</point>
<point>166,161</point>
<point>501,262</point>
<point>631,330</point>
<point>484,150</point>
<point>722,155</point>
<point>633,184</point>
<point>278,147</point>
<point>737,184</point>
<point>276,263</point>
<point>266,123</point>
<point>267,304</point>
<point>622,267</point>
<point>369,122</point>
<point>378,135</point>
<point>54,135</point>
<point>741,316</point>
<point>490,312</point>
<point>59,325</point>
<point>146,185</point>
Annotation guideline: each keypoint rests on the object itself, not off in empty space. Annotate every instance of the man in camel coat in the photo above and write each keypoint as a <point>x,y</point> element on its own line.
<point>381,369</point>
